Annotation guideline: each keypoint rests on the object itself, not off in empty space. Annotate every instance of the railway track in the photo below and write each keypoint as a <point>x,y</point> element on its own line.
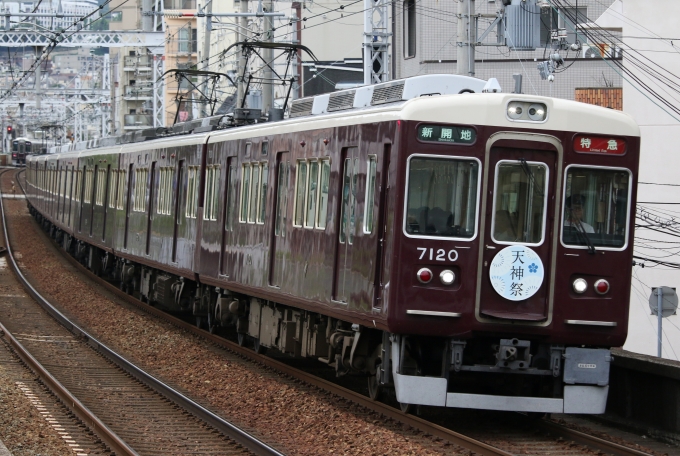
<point>521,437</point>
<point>129,410</point>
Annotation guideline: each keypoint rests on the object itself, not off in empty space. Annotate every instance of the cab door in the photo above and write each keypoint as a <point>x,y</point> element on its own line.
<point>518,235</point>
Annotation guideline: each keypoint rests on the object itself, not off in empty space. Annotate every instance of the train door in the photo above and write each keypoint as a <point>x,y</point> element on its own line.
<point>347,224</point>
<point>228,218</point>
<point>517,238</point>
<point>128,199</point>
<point>177,219</point>
<point>149,217</point>
<point>279,244</point>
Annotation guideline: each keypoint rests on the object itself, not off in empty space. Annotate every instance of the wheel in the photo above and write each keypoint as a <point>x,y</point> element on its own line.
<point>241,339</point>
<point>374,387</point>
<point>212,325</point>
<point>407,408</point>
<point>259,349</point>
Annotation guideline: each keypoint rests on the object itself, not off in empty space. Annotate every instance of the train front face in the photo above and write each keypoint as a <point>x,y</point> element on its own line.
<point>513,252</point>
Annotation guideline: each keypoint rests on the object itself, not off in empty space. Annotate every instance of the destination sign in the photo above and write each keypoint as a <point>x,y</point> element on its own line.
<point>447,134</point>
<point>599,145</point>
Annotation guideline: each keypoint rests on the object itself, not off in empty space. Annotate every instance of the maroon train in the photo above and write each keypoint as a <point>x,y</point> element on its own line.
<point>466,247</point>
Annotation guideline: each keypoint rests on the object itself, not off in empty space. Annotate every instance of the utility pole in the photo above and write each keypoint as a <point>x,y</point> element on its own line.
<point>206,53</point>
<point>267,56</point>
<point>467,37</point>
<point>243,36</point>
<point>38,54</point>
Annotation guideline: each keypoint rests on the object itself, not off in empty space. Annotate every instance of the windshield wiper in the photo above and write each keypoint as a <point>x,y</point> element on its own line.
<point>580,230</point>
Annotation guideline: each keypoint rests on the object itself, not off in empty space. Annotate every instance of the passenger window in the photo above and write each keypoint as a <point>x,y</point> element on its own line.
<point>122,175</point>
<point>141,177</point>
<point>212,185</point>
<point>263,194</point>
<point>282,199</point>
<point>245,193</point>
<point>101,186</point>
<point>312,194</point>
<point>324,182</point>
<point>300,192</point>
<point>519,207</point>
<point>89,177</point>
<point>192,192</point>
<point>112,188</point>
<point>254,189</point>
<point>369,204</point>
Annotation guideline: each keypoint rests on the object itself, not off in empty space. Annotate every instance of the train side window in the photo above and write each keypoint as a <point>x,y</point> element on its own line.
<point>141,177</point>
<point>245,193</point>
<point>520,202</point>
<point>122,175</point>
<point>596,207</point>
<point>112,188</point>
<point>254,192</point>
<point>441,197</point>
<point>312,194</point>
<point>101,186</point>
<point>324,183</point>
<point>89,178</point>
<point>165,191</point>
<point>160,199</point>
<point>370,194</point>
<point>300,193</point>
<point>282,197</point>
<point>263,194</point>
<point>192,192</point>
<point>78,178</point>
<point>212,185</point>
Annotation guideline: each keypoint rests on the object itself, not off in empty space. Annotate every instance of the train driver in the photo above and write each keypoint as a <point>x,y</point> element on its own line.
<point>574,214</point>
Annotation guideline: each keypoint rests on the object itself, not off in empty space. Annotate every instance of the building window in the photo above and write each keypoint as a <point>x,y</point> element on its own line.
<point>116,16</point>
<point>565,20</point>
<point>409,28</point>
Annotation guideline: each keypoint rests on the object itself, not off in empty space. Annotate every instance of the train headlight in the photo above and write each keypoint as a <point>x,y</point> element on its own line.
<point>447,277</point>
<point>580,285</point>
<point>537,112</point>
<point>424,275</point>
<point>601,287</point>
<point>515,110</point>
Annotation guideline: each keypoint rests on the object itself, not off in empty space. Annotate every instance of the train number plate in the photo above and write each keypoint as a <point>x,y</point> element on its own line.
<point>437,254</point>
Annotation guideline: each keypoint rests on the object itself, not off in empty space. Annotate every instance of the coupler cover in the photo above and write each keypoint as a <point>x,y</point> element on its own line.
<point>586,366</point>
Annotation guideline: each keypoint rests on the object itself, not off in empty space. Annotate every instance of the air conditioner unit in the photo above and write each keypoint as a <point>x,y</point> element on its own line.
<point>601,50</point>
<point>591,52</point>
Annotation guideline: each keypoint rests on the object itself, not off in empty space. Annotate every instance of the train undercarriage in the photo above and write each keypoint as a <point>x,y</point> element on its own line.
<point>482,373</point>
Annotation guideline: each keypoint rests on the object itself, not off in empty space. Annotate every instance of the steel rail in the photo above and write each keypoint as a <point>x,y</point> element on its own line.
<point>110,438</point>
<point>228,429</point>
<point>589,440</point>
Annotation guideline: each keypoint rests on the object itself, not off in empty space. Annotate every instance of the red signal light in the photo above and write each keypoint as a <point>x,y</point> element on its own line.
<point>9,129</point>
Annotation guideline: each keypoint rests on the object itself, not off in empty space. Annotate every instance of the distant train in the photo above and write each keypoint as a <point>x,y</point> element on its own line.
<point>466,247</point>
<point>20,148</point>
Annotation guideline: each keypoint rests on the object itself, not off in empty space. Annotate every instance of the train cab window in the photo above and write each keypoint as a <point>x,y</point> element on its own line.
<point>370,194</point>
<point>596,207</point>
<point>122,176</point>
<point>300,193</point>
<point>441,200</point>
<point>212,187</point>
<point>192,192</point>
<point>324,181</point>
<point>520,202</point>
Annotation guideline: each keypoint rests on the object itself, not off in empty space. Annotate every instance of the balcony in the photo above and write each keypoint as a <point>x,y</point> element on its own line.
<point>137,121</point>
<point>140,91</point>
<point>179,4</point>
<point>137,62</point>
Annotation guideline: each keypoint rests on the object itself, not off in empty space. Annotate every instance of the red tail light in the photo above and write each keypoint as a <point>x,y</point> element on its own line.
<point>424,275</point>
<point>601,287</point>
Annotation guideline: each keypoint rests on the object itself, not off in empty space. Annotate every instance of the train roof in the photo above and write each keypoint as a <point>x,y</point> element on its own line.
<point>428,98</point>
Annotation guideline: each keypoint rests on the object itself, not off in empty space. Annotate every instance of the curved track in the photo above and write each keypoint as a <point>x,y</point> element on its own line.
<point>132,412</point>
